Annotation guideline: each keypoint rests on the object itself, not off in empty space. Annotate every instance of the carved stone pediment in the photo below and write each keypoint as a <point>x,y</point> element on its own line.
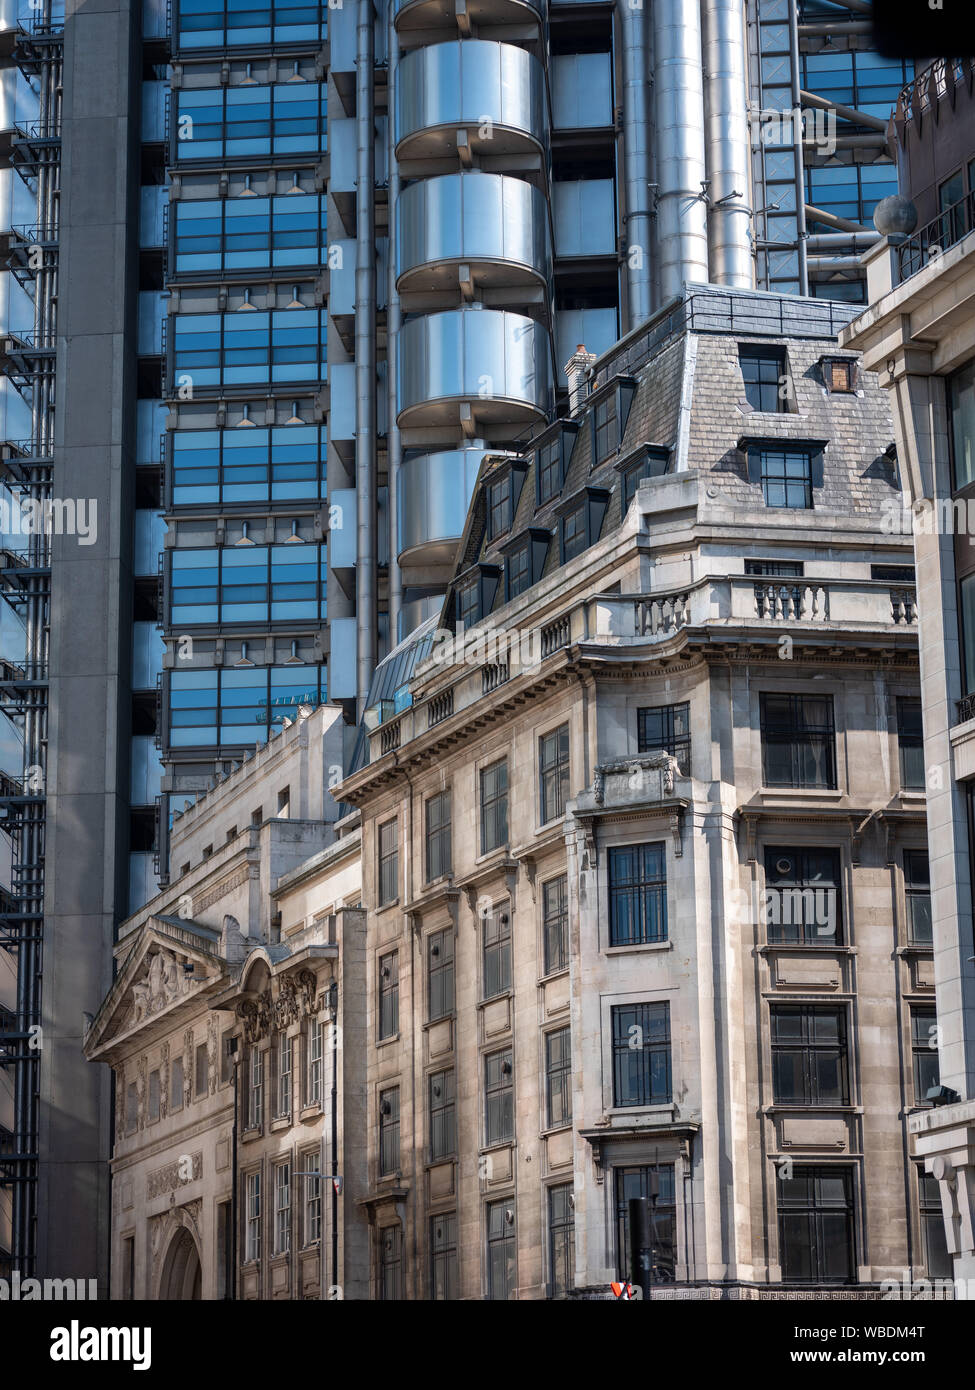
<point>164,979</point>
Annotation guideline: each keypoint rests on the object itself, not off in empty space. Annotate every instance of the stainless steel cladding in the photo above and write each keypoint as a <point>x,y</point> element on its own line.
<point>638,164</point>
<point>418,15</point>
<point>434,494</point>
<point>682,230</point>
<point>494,90</point>
<point>499,363</point>
<point>490,221</point>
<point>728,161</point>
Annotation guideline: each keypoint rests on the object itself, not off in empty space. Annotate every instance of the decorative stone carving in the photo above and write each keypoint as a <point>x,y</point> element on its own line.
<point>164,1082</point>
<point>173,1175</point>
<point>142,1089</point>
<point>211,1055</point>
<point>164,982</point>
<point>188,1066</point>
<point>220,891</point>
<point>119,1104</point>
<point>284,1002</point>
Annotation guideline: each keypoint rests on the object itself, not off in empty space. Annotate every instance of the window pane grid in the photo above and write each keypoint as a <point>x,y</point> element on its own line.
<point>637,894</point>
<point>798,741</point>
<point>641,1055</point>
<point>666,727</point>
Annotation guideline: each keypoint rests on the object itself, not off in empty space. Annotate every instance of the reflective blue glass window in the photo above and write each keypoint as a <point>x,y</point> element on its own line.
<point>249,465</point>
<point>192,708</point>
<point>212,24</point>
<point>249,348</point>
<point>238,706</point>
<point>237,233</point>
<point>249,584</point>
<point>252,119</point>
<point>195,586</point>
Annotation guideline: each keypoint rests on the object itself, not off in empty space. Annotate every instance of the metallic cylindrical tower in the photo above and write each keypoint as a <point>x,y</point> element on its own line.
<point>682,222</point>
<point>727,148</point>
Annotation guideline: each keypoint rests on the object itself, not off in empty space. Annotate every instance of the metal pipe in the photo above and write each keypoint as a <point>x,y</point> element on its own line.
<point>830,29</point>
<point>365,354</point>
<point>842,224</point>
<point>849,113</point>
<point>834,262</point>
<point>682,228</point>
<point>636,158</point>
<point>394,451</point>
<point>728,144</point>
<point>858,241</point>
<point>797,152</point>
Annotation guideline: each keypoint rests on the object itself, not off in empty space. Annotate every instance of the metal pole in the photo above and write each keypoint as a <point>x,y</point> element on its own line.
<point>641,1245</point>
<point>365,354</point>
<point>234,1210</point>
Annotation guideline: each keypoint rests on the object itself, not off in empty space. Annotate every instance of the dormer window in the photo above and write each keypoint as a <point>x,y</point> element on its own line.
<point>475,593</point>
<point>788,470</point>
<point>501,495</point>
<point>765,376</point>
<point>581,520</point>
<point>609,416</point>
<point>552,463</point>
<point>524,561</point>
<point>498,507</point>
<point>648,462</point>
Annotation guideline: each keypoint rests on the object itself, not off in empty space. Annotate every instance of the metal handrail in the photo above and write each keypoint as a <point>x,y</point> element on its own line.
<point>950,226</point>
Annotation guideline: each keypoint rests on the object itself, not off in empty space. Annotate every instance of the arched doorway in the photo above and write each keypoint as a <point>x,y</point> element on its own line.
<point>182,1277</point>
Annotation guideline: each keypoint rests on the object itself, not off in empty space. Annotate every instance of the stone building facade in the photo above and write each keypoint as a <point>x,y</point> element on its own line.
<point>231,1027</point>
<point>643,845</point>
<point>919,335</point>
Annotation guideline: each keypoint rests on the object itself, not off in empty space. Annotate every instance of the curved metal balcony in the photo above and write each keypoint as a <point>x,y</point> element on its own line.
<point>495,224</point>
<point>497,362</point>
<point>437,14</point>
<point>434,494</point>
<point>494,91</point>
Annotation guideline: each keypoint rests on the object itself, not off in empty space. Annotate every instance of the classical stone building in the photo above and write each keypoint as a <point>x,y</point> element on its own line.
<point>643,844</point>
<point>242,983</point>
<point>919,335</point>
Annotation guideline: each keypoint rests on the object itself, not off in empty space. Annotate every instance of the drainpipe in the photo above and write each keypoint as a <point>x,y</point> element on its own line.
<point>636,157</point>
<point>365,355</point>
<point>393,320</point>
<point>728,144</point>
<point>234,1177</point>
<point>682,227</point>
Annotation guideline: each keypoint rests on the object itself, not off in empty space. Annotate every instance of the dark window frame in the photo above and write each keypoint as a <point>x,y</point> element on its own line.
<point>917,890</point>
<point>643,893</point>
<point>387,992</point>
<point>389,1131</point>
<point>388,863</point>
<point>806,1262</point>
<point>555,925</point>
<point>441,999</point>
<point>655,1044</point>
<point>813,1053</point>
<point>558,1078</point>
<point>553,773</point>
<point>493,805</point>
<point>796,734</point>
<point>767,365</point>
<point>438,849</point>
<point>810,863</point>
<point>675,736</point>
<point>910,743</point>
<point>499,1097</point>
